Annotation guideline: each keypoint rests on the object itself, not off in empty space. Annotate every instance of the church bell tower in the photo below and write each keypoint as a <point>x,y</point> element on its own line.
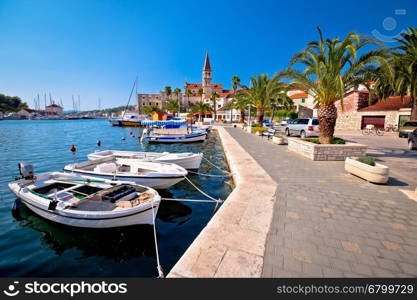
<point>207,75</point>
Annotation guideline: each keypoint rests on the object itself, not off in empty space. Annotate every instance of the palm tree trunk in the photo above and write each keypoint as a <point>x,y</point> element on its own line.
<point>260,115</point>
<point>242,116</point>
<point>327,119</point>
<point>413,109</point>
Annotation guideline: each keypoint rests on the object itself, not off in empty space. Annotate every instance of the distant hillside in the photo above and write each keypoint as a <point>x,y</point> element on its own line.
<point>11,104</point>
<point>112,110</point>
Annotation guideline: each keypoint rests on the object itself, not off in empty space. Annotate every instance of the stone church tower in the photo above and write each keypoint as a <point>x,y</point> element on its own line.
<point>207,76</point>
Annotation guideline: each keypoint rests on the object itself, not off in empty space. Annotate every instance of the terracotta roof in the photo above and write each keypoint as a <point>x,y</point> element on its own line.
<point>299,95</point>
<point>216,85</point>
<point>391,103</point>
<point>54,105</point>
<point>194,85</point>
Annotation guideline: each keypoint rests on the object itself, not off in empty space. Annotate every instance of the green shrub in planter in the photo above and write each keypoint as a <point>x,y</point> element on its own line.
<point>367,160</point>
<point>334,141</point>
<point>258,129</point>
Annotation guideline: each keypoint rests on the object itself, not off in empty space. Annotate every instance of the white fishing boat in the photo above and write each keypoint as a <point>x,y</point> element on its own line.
<point>173,135</point>
<point>86,202</point>
<point>187,160</point>
<point>152,174</point>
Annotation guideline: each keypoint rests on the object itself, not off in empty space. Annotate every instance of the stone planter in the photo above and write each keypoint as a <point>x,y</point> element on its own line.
<point>278,140</point>
<point>326,152</point>
<point>376,174</point>
<point>249,129</point>
<point>258,133</point>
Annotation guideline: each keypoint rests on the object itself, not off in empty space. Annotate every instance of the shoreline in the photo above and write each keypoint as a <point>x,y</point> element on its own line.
<point>233,242</point>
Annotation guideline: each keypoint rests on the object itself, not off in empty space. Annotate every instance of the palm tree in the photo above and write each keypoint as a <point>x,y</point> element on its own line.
<point>281,101</point>
<point>200,92</point>
<point>240,102</point>
<point>235,85</point>
<point>168,91</point>
<point>149,109</point>
<point>188,92</point>
<point>405,61</point>
<point>214,96</point>
<point>172,106</point>
<point>177,92</point>
<point>201,108</point>
<point>330,66</point>
<point>260,93</point>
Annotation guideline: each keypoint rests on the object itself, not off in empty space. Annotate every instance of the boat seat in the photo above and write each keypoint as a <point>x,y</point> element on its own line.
<point>106,168</point>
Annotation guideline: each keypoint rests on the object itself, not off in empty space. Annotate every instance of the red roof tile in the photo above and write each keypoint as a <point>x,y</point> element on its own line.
<point>299,96</point>
<point>391,103</point>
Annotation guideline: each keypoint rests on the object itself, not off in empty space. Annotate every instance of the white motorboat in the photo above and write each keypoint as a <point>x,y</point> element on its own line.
<point>86,202</point>
<point>152,174</point>
<point>173,136</point>
<point>187,160</point>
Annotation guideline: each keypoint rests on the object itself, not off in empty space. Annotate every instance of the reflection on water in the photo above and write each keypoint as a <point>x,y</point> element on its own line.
<point>32,246</point>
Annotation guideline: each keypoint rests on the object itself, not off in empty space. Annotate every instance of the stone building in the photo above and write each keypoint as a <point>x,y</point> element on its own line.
<point>358,111</point>
<point>54,109</point>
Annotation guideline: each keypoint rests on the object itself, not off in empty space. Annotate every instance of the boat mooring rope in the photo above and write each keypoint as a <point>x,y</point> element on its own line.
<point>159,268</point>
<point>198,189</point>
<point>191,200</point>
<point>218,168</point>
<point>209,175</point>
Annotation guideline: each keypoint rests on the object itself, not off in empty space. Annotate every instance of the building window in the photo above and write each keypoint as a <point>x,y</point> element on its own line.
<point>303,100</point>
<point>157,104</point>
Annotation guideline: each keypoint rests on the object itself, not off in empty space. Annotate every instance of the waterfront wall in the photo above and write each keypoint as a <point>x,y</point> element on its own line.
<point>233,242</point>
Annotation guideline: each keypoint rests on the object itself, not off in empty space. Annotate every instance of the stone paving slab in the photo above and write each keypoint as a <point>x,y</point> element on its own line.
<point>328,223</point>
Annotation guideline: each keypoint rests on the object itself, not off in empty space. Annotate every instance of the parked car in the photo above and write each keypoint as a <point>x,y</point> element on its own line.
<point>303,127</point>
<point>412,140</point>
<point>267,123</point>
<point>286,121</point>
<point>407,128</point>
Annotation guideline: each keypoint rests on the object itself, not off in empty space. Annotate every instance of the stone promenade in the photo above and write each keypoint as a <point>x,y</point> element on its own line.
<point>328,223</point>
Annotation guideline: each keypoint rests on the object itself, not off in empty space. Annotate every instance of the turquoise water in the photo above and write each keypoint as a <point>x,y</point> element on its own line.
<point>32,246</point>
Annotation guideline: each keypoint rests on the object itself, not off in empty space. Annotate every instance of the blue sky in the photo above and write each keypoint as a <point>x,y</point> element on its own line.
<point>96,48</point>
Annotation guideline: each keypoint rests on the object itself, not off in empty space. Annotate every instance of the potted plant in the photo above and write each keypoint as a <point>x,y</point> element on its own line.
<point>278,139</point>
<point>258,130</point>
<point>366,168</point>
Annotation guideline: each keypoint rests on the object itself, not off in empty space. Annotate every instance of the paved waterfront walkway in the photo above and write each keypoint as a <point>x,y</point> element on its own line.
<point>328,223</point>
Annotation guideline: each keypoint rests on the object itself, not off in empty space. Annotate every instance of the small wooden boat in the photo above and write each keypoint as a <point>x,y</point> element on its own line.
<point>87,202</point>
<point>187,160</point>
<point>152,174</point>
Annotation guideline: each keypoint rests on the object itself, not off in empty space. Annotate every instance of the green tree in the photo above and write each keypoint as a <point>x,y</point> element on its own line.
<point>168,92</point>
<point>149,109</point>
<point>188,93</point>
<point>172,106</point>
<point>240,102</point>
<point>235,85</point>
<point>405,68</point>
<point>11,104</point>
<point>201,108</point>
<point>200,92</point>
<point>213,98</point>
<point>329,71</point>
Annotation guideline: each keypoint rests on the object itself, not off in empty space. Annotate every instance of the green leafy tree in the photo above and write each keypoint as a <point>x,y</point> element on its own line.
<point>201,108</point>
<point>149,109</point>
<point>213,99</point>
<point>172,106</point>
<point>168,92</point>
<point>329,71</point>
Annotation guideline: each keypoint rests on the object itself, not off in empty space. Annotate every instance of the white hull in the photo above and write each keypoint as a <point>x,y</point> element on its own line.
<point>190,161</point>
<point>153,182</point>
<point>176,139</point>
<point>143,217</point>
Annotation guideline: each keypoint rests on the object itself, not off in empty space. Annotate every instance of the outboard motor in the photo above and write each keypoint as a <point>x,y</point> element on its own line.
<point>26,170</point>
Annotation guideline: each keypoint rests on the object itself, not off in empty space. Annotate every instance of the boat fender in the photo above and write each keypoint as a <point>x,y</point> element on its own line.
<point>123,138</point>
<point>52,204</point>
<point>98,143</point>
<point>73,149</point>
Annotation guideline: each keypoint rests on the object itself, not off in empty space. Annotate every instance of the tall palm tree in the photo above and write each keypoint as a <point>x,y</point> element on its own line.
<point>201,108</point>
<point>177,92</point>
<point>168,92</point>
<point>188,92</point>
<point>149,109</point>
<point>200,92</point>
<point>240,102</point>
<point>172,106</point>
<point>235,85</point>
<point>260,93</point>
<point>214,96</point>
<point>406,68</point>
<point>329,69</point>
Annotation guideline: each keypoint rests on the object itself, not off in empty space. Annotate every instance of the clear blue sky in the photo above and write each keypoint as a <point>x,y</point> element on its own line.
<point>96,48</point>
